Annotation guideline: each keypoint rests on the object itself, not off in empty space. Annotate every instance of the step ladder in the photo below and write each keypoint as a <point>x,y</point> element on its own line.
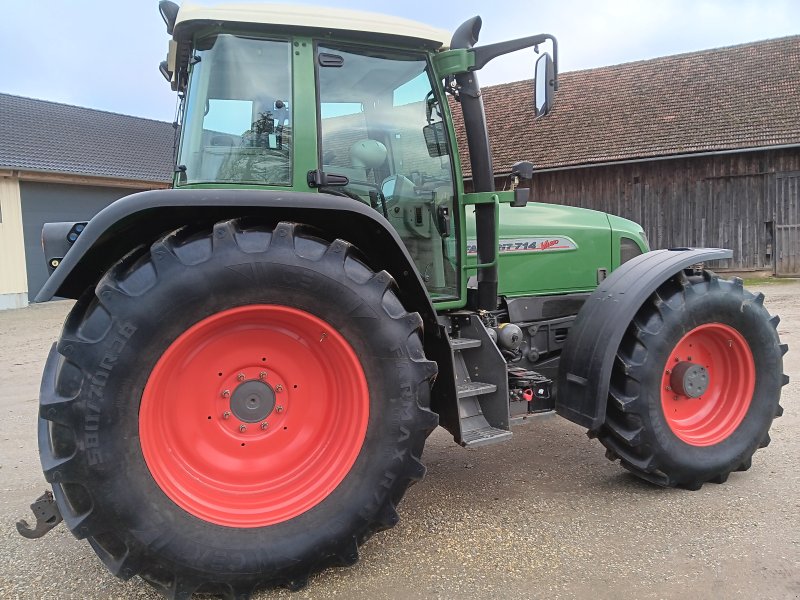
<point>481,384</point>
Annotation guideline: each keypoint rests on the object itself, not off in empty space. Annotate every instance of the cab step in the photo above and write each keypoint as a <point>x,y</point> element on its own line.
<point>484,436</point>
<point>474,388</point>
<point>481,384</point>
<point>464,343</point>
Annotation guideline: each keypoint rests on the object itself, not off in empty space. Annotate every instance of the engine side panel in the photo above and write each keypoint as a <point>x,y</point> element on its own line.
<point>548,248</point>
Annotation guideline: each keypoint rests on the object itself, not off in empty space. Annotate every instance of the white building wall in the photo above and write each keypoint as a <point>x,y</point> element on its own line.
<point>13,278</point>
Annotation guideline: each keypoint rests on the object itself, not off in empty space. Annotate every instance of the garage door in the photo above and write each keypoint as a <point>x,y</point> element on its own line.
<point>51,202</point>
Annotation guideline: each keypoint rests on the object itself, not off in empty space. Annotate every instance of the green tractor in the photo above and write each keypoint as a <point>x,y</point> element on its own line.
<point>241,394</point>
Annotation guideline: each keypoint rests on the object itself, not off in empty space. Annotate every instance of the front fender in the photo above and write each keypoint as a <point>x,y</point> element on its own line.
<point>587,359</point>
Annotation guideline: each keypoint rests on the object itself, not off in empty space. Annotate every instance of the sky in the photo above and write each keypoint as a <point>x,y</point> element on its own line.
<point>104,54</point>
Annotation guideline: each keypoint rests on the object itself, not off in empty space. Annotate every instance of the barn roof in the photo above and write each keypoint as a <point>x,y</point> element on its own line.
<point>738,97</point>
<point>36,135</point>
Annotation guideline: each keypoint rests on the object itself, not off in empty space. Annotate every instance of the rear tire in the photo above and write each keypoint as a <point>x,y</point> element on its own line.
<point>131,412</point>
<point>673,434</point>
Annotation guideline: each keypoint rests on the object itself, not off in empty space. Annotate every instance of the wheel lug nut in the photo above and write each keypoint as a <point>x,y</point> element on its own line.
<point>262,375</point>
<point>279,408</point>
<point>264,425</point>
<point>226,415</point>
<point>279,388</point>
<point>226,393</point>
<point>242,428</point>
<point>240,377</point>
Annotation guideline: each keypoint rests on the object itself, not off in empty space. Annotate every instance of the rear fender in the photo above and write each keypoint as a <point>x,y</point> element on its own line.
<point>144,217</point>
<point>585,367</point>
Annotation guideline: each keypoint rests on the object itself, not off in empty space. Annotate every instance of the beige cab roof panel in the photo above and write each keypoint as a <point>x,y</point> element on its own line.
<point>334,19</point>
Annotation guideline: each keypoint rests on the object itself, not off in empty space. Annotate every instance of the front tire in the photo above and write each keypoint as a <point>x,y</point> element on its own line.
<point>696,383</point>
<point>235,409</point>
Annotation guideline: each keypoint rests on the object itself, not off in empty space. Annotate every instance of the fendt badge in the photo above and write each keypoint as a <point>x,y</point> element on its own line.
<point>528,244</point>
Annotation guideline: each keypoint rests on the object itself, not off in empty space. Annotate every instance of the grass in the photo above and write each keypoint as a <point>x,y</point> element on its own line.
<point>754,281</point>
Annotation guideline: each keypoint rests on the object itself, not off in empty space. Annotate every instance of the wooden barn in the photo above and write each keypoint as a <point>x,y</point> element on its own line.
<point>702,149</point>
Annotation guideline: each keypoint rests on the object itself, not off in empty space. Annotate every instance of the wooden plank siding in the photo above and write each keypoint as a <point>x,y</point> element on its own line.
<point>727,200</point>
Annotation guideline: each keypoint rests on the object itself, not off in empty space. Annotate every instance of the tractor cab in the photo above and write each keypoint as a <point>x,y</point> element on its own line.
<point>274,100</point>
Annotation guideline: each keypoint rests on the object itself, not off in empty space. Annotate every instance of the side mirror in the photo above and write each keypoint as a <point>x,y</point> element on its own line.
<point>397,187</point>
<point>545,85</point>
<point>164,69</point>
<point>169,12</point>
<point>435,139</point>
<point>387,187</point>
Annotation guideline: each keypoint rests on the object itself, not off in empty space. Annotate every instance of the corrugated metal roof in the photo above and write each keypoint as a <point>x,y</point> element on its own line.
<point>37,135</point>
<point>738,97</point>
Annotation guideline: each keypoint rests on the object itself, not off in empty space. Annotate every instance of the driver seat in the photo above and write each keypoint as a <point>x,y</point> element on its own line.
<point>368,154</point>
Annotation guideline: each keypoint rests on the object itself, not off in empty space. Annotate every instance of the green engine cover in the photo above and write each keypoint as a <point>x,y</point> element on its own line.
<point>551,249</point>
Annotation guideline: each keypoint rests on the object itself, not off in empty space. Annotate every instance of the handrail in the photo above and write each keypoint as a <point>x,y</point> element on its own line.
<point>486,198</point>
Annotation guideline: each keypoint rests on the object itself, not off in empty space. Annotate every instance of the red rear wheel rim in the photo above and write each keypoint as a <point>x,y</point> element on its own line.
<point>244,473</point>
<point>713,416</point>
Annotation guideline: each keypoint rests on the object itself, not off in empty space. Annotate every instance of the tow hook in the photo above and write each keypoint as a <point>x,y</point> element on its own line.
<point>47,516</point>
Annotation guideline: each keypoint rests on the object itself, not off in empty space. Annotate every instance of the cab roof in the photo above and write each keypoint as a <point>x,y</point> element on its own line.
<point>193,16</point>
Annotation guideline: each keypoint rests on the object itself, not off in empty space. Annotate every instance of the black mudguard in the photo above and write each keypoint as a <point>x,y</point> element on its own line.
<point>587,359</point>
<point>144,217</point>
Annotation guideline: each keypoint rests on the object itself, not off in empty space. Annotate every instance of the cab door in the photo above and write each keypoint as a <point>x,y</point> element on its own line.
<point>380,127</point>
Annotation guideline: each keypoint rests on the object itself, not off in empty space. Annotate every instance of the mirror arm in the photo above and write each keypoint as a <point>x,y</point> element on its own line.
<point>483,54</point>
<point>169,12</point>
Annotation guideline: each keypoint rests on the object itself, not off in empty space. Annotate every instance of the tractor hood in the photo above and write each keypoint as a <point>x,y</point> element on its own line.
<point>550,248</point>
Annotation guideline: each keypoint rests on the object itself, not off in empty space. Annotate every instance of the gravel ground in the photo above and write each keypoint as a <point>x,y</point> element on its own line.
<point>542,516</point>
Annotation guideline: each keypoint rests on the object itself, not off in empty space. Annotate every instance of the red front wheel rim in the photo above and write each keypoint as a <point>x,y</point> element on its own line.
<point>254,415</point>
<point>708,409</point>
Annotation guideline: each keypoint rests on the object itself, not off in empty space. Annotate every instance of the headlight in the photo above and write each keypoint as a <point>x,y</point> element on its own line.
<point>628,249</point>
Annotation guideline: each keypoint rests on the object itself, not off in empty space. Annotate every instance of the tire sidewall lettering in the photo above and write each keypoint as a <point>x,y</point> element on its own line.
<point>122,333</point>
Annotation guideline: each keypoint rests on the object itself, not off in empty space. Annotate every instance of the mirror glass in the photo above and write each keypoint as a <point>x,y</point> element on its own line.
<point>387,188</point>
<point>435,139</point>
<point>544,85</point>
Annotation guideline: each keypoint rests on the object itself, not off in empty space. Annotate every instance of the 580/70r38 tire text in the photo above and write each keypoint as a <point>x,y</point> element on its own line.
<point>235,408</point>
